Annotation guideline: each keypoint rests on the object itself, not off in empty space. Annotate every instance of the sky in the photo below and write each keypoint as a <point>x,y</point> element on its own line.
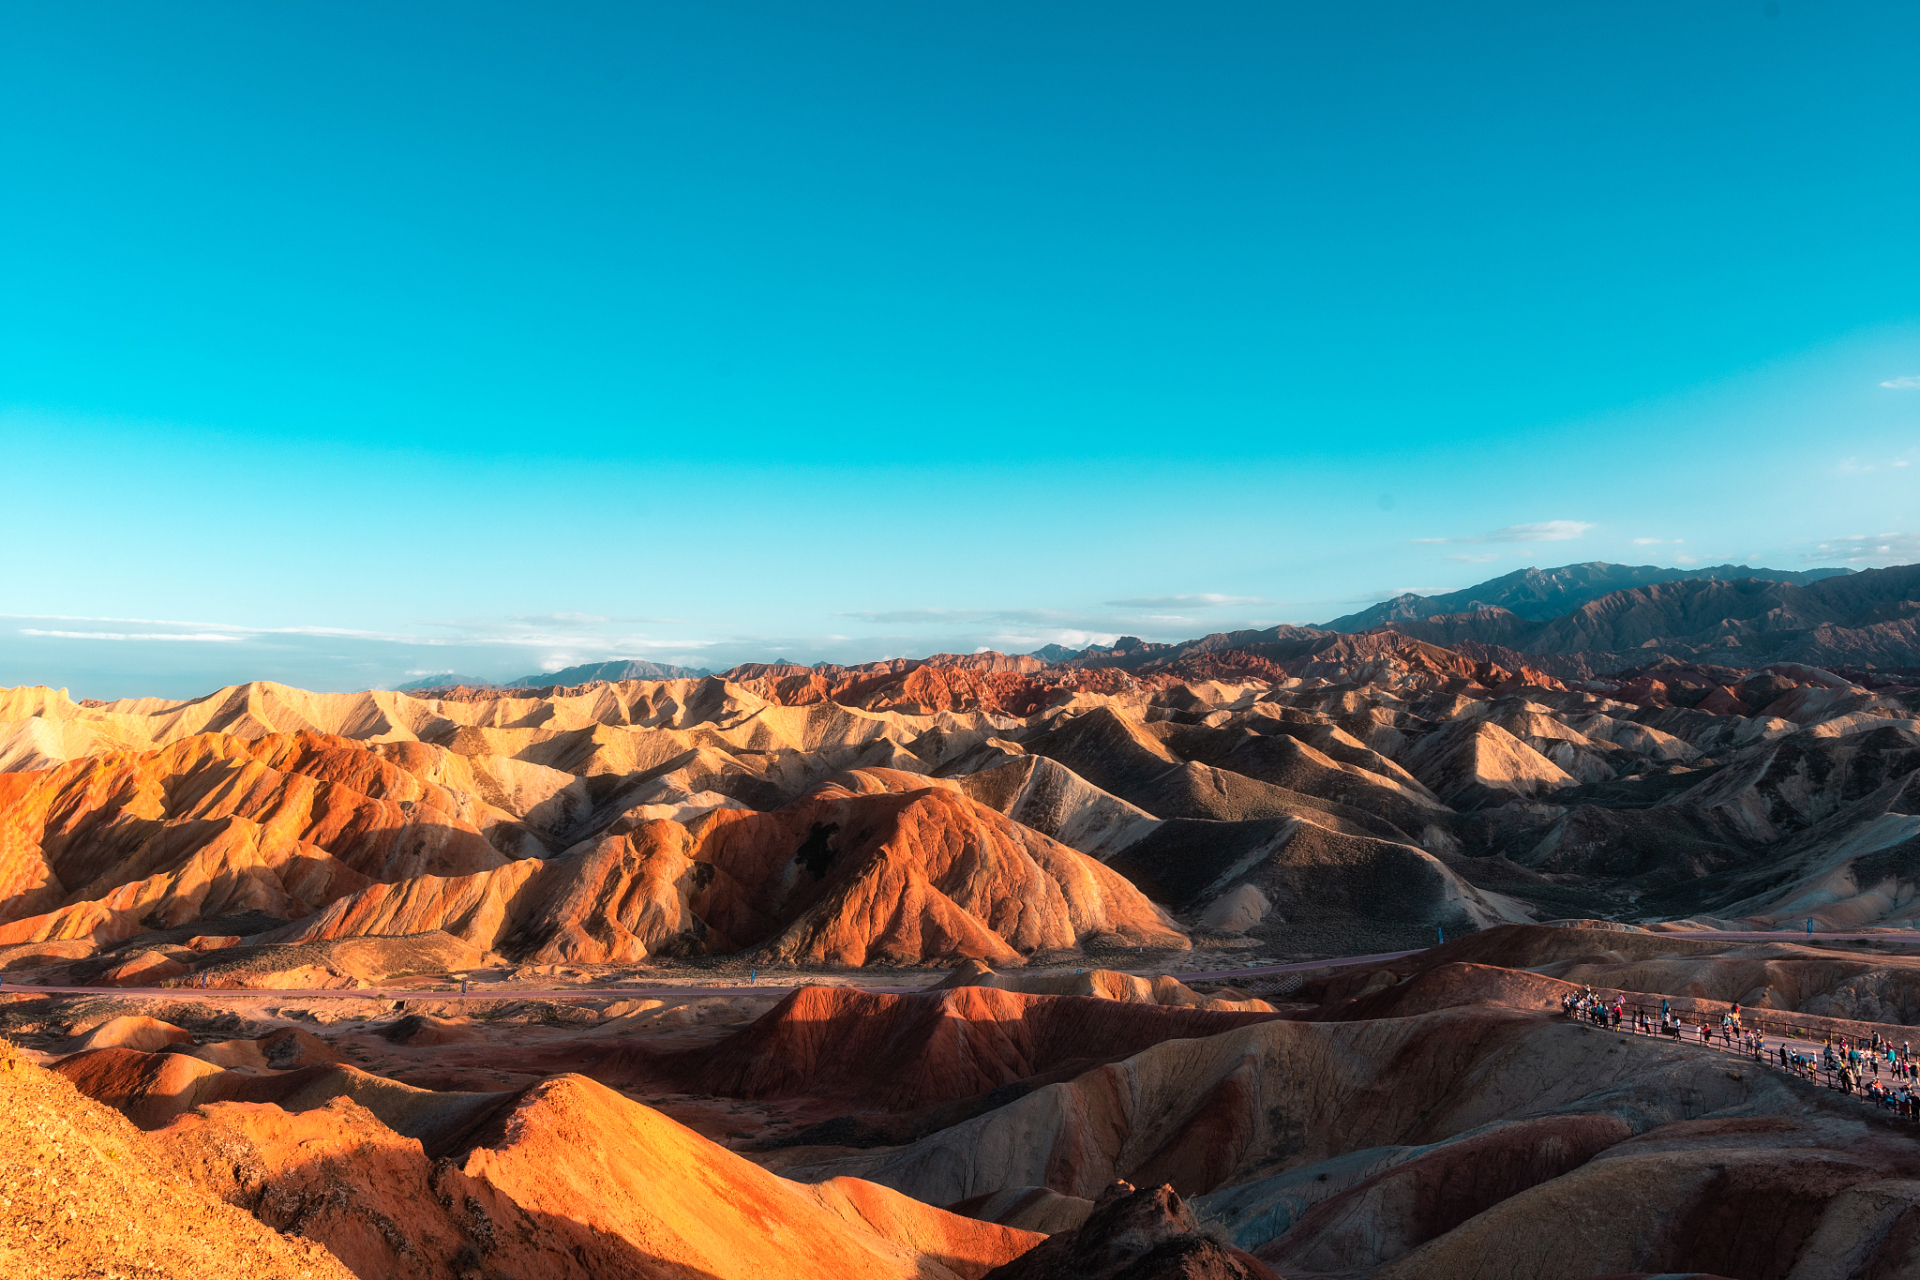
<point>346,344</point>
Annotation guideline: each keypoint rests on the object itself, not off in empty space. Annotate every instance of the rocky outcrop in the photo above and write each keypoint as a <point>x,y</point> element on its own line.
<point>1108,749</point>
<point>900,1052</point>
<point>898,869</point>
<point>581,1171</point>
<point>1136,1235</point>
<point>88,1194</point>
<point>1050,798</point>
<point>1477,763</point>
<point>217,825</point>
<point>1106,984</point>
<point>1335,885</point>
<point>567,1179</point>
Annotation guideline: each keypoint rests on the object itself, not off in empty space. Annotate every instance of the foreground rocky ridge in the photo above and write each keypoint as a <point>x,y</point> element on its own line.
<point>564,1180</point>
<point>1439,1115</point>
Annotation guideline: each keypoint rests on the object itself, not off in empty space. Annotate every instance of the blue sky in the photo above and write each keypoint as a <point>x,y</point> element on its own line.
<point>359,341</point>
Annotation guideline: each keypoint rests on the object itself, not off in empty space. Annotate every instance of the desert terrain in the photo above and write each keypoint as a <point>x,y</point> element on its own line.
<point>1243,957</point>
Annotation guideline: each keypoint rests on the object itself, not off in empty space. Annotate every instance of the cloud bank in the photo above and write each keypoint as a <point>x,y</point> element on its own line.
<point>1544,531</point>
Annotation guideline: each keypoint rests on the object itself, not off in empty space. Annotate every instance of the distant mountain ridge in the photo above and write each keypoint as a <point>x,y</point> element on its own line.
<point>1868,619</point>
<point>1541,594</point>
<point>586,673</point>
<point>622,669</point>
<point>445,680</point>
<point>1726,615</point>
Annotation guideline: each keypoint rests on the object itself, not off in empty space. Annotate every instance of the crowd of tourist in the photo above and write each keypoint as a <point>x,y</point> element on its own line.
<point>1853,1066</point>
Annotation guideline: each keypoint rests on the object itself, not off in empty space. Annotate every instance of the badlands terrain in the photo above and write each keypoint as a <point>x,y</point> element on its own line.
<point>1114,962</point>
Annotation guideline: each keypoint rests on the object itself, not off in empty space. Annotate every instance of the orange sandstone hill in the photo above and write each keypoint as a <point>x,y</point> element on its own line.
<point>899,1052</point>
<point>881,866</point>
<point>565,1181</point>
<point>112,844</point>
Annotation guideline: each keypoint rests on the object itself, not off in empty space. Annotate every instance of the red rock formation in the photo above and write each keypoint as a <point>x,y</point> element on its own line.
<point>996,683</point>
<point>1428,1196</point>
<point>922,873</point>
<point>897,1053</point>
<point>566,1182</point>
<point>213,825</point>
<point>905,872</point>
<point>1103,984</point>
<point>641,1195</point>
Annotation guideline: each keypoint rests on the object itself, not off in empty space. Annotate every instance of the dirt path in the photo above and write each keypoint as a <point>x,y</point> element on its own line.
<point>786,982</point>
<point>616,993</point>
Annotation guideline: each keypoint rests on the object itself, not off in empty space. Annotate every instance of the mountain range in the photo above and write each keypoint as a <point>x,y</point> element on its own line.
<point>1540,594</point>
<point>1158,789</point>
<point>1575,621</point>
<point>1862,621</point>
<point>586,673</point>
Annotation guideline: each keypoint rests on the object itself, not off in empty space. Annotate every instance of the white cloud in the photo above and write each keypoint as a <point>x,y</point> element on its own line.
<point>568,639</point>
<point>1015,624</point>
<point>134,635</point>
<point>1543,531</point>
<point>909,617</point>
<point>1204,600</point>
<point>1902,384</point>
<point>1869,549</point>
<point>1855,467</point>
<point>1067,638</point>
<point>562,619</point>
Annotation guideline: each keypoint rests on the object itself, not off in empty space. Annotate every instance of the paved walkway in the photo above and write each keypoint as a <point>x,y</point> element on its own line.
<point>1771,1043</point>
